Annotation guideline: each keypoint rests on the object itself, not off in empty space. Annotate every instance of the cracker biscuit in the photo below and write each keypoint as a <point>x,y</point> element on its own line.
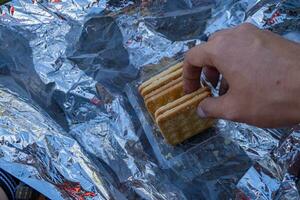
<point>164,97</point>
<point>179,101</point>
<point>161,81</point>
<point>182,122</point>
<point>160,75</point>
<point>163,88</point>
<point>172,110</point>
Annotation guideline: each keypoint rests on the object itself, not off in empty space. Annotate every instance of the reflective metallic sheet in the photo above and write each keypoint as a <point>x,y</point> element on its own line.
<point>68,130</point>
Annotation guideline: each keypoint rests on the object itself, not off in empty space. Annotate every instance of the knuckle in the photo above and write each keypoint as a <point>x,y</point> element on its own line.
<point>219,43</point>
<point>188,56</point>
<point>246,27</point>
<point>205,49</point>
<point>218,47</point>
<point>218,36</point>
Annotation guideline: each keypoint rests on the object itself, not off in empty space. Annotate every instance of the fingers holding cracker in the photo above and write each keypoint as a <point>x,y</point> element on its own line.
<point>175,112</point>
<point>194,60</point>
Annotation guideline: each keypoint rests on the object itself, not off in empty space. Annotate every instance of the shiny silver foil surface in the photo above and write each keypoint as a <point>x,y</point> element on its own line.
<point>68,130</point>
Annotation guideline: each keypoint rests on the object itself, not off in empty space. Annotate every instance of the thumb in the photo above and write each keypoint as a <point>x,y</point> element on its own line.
<point>214,107</point>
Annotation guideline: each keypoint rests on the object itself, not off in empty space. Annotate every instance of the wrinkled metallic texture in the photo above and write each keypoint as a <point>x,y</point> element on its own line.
<point>68,129</point>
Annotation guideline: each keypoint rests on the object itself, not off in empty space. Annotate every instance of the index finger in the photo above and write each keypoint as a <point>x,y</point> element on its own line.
<point>194,60</point>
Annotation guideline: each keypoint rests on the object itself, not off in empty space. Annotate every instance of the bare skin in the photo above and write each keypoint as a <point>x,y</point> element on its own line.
<point>262,73</point>
<point>2,194</point>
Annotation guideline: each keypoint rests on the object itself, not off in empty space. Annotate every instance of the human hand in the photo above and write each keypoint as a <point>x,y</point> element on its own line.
<point>262,73</point>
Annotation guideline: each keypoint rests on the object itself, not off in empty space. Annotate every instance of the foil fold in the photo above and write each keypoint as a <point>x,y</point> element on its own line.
<point>68,130</point>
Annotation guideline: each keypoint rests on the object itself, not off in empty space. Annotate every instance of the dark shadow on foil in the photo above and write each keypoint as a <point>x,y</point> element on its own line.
<point>178,23</point>
<point>98,50</point>
<point>100,53</point>
<point>16,61</point>
<point>212,170</point>
<point>112,179</point>
<point>120,3</point>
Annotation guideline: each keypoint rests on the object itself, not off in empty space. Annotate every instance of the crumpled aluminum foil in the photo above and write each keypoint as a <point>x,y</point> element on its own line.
<point>68,130</point>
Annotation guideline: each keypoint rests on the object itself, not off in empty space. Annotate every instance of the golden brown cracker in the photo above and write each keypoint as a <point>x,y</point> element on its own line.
<point>179,101</point>
<point>182,121</point>
<point>166,96</point>
<point>160,75</point>
<point>172,110</point>
<point>163,88</point>
<point>161,82</point>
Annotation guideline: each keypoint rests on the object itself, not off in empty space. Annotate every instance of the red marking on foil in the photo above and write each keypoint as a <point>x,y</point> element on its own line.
<point>75,190</point>
<point>96,101</point>
<point>12,10</point>
<point>56,1</point>
<point>272,20</point>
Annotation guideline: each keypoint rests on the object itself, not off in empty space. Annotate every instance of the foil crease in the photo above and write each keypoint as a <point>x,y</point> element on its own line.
<point>68,130</point>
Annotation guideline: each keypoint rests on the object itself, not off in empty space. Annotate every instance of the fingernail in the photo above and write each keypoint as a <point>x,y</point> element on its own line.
<point>201,113</point>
